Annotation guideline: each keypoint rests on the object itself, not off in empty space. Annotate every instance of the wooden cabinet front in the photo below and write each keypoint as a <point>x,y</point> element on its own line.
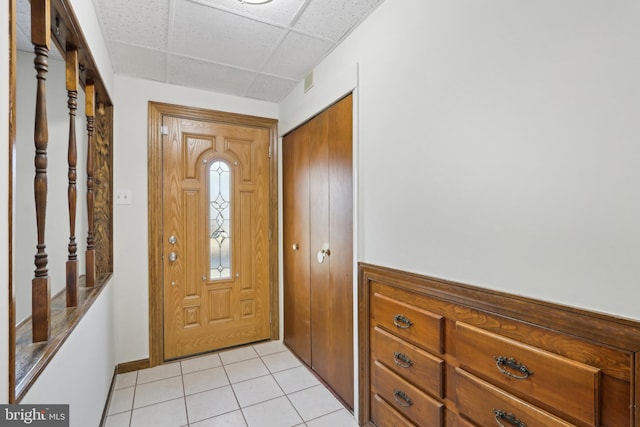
<point>540,376</point>
<point>408,321</point>
<point>407,399</point>
<point>474,357</point>
<point>408,361</point>
<point>486,405</point>
<point>384,415</point>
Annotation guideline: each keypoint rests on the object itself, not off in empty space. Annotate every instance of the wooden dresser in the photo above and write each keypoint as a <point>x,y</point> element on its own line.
<point>437,353</point>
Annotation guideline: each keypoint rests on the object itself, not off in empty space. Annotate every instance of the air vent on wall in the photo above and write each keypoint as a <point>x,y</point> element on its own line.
<point>308,82</point>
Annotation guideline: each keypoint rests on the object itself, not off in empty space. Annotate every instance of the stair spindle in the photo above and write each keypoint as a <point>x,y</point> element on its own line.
<point>72,93</point>
<point>40,285</point>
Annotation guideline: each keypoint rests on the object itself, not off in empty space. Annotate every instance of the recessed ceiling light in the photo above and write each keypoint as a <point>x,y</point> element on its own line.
<point>254,1</point>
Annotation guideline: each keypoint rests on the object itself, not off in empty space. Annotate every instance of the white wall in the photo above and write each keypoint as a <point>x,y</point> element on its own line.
<point>80,373</point>
<point>498,144</point>
<point>130,221</point>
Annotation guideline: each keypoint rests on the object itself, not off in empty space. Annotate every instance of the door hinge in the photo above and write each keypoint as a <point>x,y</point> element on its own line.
<point>270,317</point>
<point>270,151</point>
<point>164,130</point>
<point>270,234</point>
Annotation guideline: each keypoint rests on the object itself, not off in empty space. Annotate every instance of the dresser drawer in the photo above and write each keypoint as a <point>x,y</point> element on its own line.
<point>405,398</point>
<point>408,361</point>
<point>408,321</point>
<point>463,422</point>
<point>572,388</point>
<point>383,415</point>
<point>487,405</point>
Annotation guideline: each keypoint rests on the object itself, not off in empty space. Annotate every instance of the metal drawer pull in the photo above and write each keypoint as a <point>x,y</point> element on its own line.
<point>402,360</point>
<point>402,399</point>
<point>401,321</point>
<point>513,364</point>
<point>508,417</point>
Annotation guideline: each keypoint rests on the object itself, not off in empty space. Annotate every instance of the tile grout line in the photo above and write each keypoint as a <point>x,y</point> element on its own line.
<point>133,399</point>
<point>286,395</point>
<point>184,394</point>
<point>235,396</point>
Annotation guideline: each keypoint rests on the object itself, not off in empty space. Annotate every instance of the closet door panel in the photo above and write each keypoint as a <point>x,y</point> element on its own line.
<point>296,249</point>
<point>323,321</point>
<point>341,237</point>
<point>318,205</point>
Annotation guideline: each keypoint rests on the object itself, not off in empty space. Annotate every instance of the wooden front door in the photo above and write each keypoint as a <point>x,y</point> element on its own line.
<point>215,191</point>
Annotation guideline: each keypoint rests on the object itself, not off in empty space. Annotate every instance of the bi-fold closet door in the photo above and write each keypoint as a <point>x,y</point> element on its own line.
<point>318,245</point>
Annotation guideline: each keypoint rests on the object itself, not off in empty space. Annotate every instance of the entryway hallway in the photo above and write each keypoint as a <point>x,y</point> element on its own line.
<point>260,385</point>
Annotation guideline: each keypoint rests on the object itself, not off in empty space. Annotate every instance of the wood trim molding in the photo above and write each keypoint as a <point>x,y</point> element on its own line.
<point>156,111</point>
<point>636,391</point>
<point>135,365</point>
<point>599,327</point>
<point>363,346</point>
<point>11,174</point>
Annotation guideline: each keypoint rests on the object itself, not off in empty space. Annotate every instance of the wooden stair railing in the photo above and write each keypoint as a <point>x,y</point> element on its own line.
<point>72,91</point>
<point>40,285</point>
<point>51,322</point>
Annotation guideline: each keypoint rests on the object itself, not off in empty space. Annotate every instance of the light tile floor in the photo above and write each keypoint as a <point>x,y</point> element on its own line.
<point>261,385</point>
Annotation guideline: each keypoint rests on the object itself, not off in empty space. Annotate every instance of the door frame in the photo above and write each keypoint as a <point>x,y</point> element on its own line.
<point>156,112</point>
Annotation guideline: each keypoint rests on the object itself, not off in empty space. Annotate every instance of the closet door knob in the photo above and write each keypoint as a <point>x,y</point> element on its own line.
<point>296,246</point>
<point>322,253</point>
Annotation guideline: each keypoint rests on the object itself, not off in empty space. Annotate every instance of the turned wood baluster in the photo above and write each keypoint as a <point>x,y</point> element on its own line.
<point>91,245</point>
<point>72,102</point>
<point>40,286</point>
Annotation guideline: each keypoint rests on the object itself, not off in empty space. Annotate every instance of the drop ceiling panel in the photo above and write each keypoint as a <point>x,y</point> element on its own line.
<point>139,61</point>
<point>269,88</point>
<point>143,23</point>
<point>205,75</point>
<point>297,55</point>
<point>23,17</point>
<point>279,12</point>
<point>258,51</point>
<point>333,19</point>
<point>207,33</point>
<point>23,40</point>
